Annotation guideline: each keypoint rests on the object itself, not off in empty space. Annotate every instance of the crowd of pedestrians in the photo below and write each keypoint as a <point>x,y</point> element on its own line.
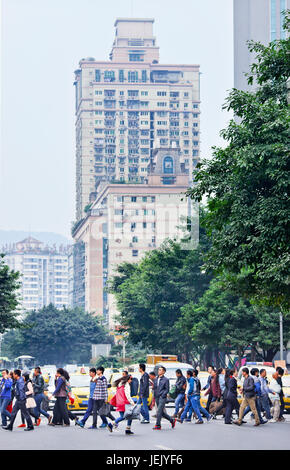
<point>19,392</point>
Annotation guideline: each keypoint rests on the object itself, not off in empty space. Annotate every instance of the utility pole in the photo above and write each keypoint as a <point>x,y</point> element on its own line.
<point>281,336</point>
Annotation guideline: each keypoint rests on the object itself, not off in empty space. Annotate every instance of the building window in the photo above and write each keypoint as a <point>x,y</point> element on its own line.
<point>144,78</point>
<point>134,239</point>
<point>168,165</point>
<point>134,252</point>
<point>97,75</point>
<point>136,56</point>
<point>132,77</point>
<point>109,76</point>
<point>121,77</point>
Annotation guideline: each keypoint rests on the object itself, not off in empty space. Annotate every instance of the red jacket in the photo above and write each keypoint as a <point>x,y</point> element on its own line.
<point>120,400</point>
<point>214,388</point>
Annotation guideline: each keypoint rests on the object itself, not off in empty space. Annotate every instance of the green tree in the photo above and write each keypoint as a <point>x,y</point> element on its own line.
<point>229,322</point>
<point>9,285</point>
<point>57,336</point>
<point>151,293</point>
<point>247,185</point>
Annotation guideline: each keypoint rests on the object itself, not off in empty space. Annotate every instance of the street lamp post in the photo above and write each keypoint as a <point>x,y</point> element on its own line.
<point>281,336</point>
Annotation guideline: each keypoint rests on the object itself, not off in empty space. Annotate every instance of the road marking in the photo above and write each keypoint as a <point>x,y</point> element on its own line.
<point>162,447</point>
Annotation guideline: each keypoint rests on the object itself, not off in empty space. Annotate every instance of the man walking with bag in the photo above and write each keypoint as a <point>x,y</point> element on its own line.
<point>249,398</point>
<point>161,390</point>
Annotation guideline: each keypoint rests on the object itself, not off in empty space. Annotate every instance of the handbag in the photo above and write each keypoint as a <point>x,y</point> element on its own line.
<point>132,411</point>
<point>104,410</point>
<point>173,392</point>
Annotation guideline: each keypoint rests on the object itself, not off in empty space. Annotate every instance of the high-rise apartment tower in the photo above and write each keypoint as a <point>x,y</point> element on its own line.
<point>128,105</point>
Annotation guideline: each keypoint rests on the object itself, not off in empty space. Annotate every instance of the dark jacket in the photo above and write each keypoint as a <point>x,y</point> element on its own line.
<point>20,389</point>
<point>249,387</point>
<point>38,384</point>
<point>231,388</point>
<point>144,386</point>
<point>179,384</point>
<point>279,380</point>
<point>161,390</point>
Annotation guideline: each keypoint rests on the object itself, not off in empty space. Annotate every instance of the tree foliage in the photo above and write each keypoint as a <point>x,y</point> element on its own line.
<point>57,336</point>
<point>247,185</point>
<point>230,323</point>
<point>151,293</point>
<point>9,285</point>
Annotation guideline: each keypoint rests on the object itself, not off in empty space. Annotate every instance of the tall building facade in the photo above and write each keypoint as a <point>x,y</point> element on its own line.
<point>258,20</point>
<point>124,222</point>
<point>44,273</point>
<point>126,104</point>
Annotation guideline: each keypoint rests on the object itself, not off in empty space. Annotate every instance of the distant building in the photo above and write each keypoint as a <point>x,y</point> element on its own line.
<point>125,104</point>
<point>258,20</point>
<point>124,222</point>
<point>44,273</point>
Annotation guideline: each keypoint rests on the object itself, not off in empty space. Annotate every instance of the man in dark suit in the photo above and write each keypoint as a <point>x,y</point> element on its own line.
<point>161,390</point>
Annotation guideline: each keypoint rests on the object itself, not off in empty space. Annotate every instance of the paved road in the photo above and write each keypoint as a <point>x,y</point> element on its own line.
<point>213,435</point>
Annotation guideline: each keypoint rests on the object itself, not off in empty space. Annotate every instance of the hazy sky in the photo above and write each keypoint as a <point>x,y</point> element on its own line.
<point>42,43</point>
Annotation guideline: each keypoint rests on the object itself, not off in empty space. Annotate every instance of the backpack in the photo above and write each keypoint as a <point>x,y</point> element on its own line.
<point>134,387</point>
<point>198,386</point>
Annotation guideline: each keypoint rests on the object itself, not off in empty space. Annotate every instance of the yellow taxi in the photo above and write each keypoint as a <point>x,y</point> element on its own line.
<point>118,375</point>
<point>80,390</point>
<point>286,390</point>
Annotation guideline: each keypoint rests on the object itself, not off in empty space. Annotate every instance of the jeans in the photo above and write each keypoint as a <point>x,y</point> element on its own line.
<point>144,407</point>
<point>194,403</point>
<point>121,418</point>
<point>20,405</point>
<point>89,411</point>
<point>179,402</point>
<point>264,401</point>
<point>38,410</point>
<point>161,413</point>
<point>4,402</point>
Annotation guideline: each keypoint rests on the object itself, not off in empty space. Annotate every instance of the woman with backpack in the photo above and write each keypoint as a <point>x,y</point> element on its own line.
<point>60,412</point>
<point>122,398</point>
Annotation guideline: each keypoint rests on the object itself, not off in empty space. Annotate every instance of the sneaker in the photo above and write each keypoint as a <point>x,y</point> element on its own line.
<point>103,425</point>
<point>257,424</point>
<point>38,421</point>
<point>79,423</point>
<point>273,420</point>
<point>51,424</point>
<point>199,422</point>
<point>6,428</point>
<point>264,422</point>
<point>173,423</point>
<point>282,419</point>
<point>22,425</point>
<point>145,421</point>
<point>29,429</point>
<point>210,417</point>
<point>188,420</point>
<point>237,423</point>
<point>115,425</point>
<point>93,427</point>
<point>156,427</point>
<point>110,427</point>
<point>128,431</point>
